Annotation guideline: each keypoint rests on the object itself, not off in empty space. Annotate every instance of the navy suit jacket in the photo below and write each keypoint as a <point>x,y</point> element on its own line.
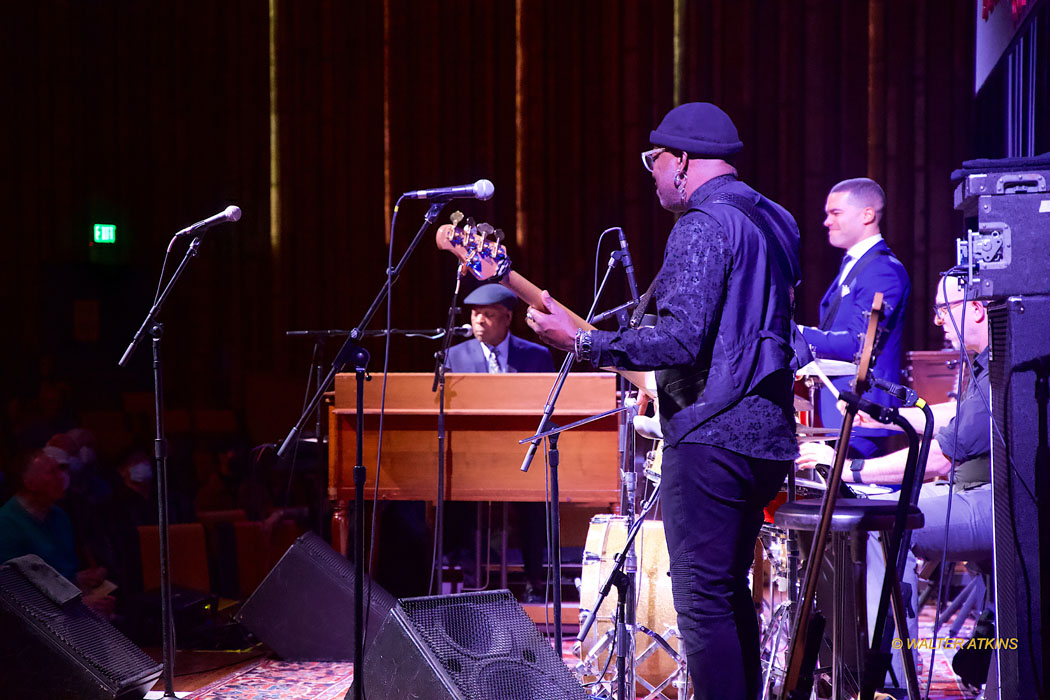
<point>844,333</point>
<point>522,356</point>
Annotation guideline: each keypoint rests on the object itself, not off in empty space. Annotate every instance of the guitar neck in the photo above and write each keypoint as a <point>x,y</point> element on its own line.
<point>532,295</point>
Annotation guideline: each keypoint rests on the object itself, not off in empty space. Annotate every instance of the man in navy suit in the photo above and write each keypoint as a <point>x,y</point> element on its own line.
<point>494,349</point>
<point>854,211</point>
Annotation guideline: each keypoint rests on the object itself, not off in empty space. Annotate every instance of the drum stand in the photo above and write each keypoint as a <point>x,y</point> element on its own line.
<point>780,616</point>
<point>620,638</point>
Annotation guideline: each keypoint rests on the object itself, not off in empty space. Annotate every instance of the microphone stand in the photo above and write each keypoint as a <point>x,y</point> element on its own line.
<point>320,435</point>
<point>623,583</point>
<point>545,423</point>
<point>352,351</point>
<point>155,330</point>
<point>876,658</point>
<point>439,386</point>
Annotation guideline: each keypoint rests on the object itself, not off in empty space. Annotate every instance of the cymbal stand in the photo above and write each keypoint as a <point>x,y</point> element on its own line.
<point>620,579</point>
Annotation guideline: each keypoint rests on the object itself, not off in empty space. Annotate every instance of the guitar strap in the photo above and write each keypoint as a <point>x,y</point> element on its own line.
<point>803,355</point>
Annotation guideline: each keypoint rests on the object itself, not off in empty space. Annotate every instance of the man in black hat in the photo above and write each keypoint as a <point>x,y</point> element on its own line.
<point>495,349</point>
<point>720,348</point>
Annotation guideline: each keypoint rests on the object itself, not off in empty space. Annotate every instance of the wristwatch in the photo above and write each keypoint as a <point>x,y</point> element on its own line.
<point>855,467</point>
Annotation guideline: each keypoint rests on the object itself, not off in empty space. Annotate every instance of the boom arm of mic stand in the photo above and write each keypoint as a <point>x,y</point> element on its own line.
<point>151,317</point>
<point>548,409</point>
<point>350,347</point>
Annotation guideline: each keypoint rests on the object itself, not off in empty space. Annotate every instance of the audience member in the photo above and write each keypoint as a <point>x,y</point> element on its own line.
<point>31,523</point>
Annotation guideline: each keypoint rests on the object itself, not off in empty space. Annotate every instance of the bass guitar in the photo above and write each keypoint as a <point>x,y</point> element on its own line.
<point>480,250</point>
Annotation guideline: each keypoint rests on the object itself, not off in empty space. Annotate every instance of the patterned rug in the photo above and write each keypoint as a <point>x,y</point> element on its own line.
<point>945,683</point>
<point>270,679</point>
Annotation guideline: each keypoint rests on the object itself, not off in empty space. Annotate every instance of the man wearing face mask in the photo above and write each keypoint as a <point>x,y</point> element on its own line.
<point>31,523</point>
<point>133,504</point>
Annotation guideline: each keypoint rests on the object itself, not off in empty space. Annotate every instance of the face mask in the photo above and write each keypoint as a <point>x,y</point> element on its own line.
<point>87,454</point>
<point>141,472</point>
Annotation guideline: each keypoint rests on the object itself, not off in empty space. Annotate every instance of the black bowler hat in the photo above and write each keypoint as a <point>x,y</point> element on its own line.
<point>492,294</point>
<point>699,129</point>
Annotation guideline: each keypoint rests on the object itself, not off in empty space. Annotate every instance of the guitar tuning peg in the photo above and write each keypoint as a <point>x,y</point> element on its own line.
<point>499,235</point>
<point>485,229</point>
<point>456,217</point>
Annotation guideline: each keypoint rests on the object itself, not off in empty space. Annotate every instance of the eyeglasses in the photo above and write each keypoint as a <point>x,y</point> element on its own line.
<point>649,157</point>
<point>941,308</point>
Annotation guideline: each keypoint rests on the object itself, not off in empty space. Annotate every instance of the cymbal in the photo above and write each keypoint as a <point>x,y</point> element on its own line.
<point>810,484</point>
<point>815,438</point>
<point>831,368</point>
<point>810,431</point>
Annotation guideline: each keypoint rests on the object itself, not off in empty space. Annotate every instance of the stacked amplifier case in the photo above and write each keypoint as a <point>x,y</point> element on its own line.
<point>1007,254</point>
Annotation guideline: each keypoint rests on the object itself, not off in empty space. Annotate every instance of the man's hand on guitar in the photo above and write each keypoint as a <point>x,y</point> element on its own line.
<point>552,324</point>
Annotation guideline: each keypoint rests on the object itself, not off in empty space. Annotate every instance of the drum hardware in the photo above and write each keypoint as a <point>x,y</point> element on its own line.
<point>653,462</point>
<point>659,665</point>
<point>827,368</point>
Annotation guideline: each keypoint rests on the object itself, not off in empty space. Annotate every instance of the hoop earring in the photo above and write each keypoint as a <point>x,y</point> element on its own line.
<point>679,182</point>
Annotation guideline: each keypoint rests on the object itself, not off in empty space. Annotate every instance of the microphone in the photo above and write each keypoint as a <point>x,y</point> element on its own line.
<point>901,393</point>
<point>230,213</point>
<point>628,266</point>
<point>464,331</point>
<point>482,189</point>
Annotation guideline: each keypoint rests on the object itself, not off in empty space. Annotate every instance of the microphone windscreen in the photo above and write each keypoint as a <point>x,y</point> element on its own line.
<point>233,213</point>
<point>483,189</point>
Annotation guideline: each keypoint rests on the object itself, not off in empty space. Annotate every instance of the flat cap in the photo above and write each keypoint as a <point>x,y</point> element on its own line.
<point>492,294</point>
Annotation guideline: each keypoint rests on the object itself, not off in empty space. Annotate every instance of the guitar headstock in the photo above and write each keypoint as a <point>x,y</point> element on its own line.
<point>478,246</point>
<point>869,349</point>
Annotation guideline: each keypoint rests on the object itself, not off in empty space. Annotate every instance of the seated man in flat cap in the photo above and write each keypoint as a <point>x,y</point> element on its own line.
<point>495,349</point>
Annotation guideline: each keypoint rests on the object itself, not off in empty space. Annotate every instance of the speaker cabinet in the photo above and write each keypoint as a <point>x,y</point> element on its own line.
<point>470,646</point>
<point>53,648</point>
<point>1020,352</point>
<point>304,608</point>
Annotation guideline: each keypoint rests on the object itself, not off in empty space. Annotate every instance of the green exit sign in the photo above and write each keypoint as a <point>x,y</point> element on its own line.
<point>105,233</point>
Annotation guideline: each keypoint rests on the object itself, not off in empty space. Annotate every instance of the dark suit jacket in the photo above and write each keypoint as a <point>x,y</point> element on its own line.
<point>522,356</point>
<point>845,332</point>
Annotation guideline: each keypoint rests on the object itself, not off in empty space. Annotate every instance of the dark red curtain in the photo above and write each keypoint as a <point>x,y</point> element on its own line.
<point>151,116</point>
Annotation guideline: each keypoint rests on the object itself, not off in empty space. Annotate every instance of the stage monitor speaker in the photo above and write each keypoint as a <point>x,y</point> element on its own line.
<point>304,608</point>
<point>468,646</point>
<point>1018,356</point>
<point>52,647</point>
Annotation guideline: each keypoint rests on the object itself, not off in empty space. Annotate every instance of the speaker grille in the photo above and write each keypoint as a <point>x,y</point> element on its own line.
<point>490,648</point>
<point>304,608</point>
<point>94,642</point>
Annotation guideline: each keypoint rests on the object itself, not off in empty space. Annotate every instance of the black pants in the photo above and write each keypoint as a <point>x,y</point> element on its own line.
<point>712,502</point>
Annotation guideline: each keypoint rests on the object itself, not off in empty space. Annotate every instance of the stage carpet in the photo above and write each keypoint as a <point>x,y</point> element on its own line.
<point>270,679</point>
